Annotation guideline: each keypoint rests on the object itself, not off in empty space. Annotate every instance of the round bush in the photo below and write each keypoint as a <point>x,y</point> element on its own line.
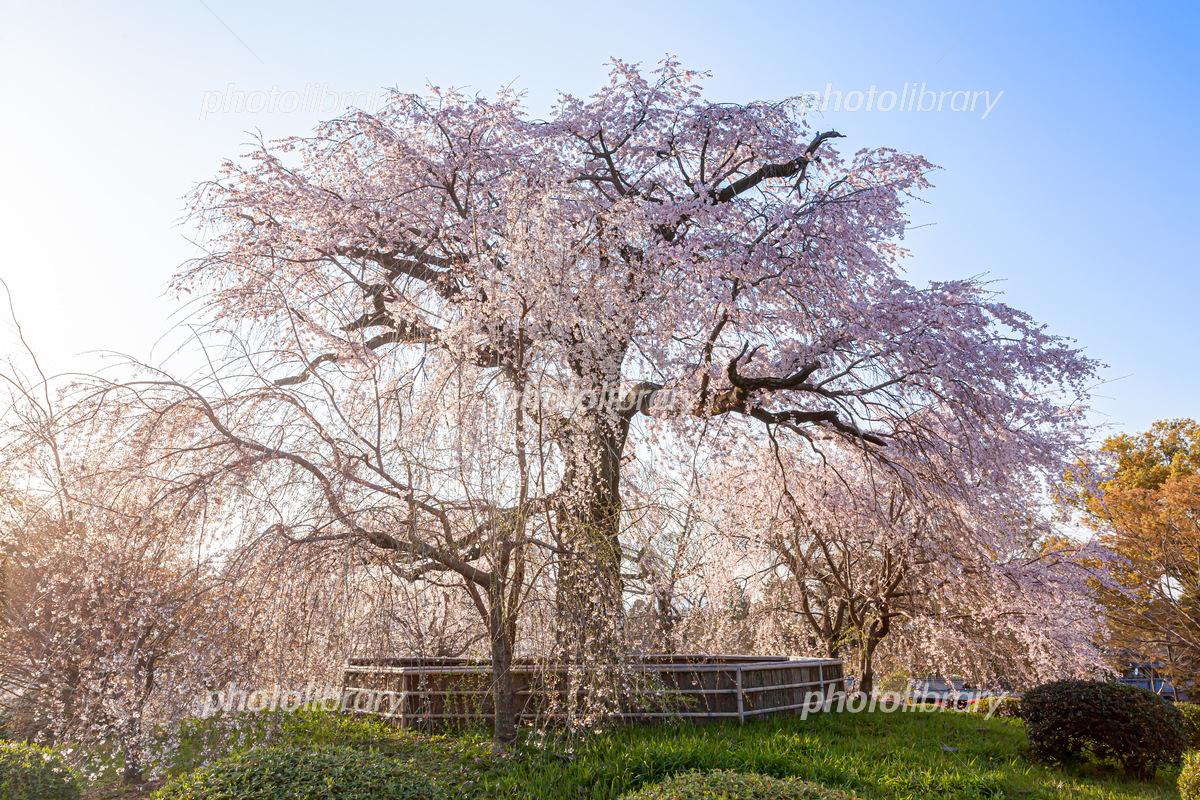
<point>1191,722</point>
<point>297,773</point>
<point>727,785</point>
<point>1189,778</point>
<point>1112,722</point>
<point>28,772</point>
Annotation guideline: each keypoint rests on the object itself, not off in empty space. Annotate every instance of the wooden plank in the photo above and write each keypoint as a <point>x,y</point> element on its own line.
<point>740,699</point>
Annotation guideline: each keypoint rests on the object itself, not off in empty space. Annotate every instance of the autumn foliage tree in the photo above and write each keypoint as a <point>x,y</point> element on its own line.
<point>1143,496</point>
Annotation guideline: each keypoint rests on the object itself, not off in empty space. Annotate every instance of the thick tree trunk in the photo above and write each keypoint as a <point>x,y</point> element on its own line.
<point>588,593</point>
<point>589,588</point>
<point>504,688</point>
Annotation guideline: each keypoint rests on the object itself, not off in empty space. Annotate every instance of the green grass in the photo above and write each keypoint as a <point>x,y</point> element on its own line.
<point>894,756</point>
<point>884,756</point>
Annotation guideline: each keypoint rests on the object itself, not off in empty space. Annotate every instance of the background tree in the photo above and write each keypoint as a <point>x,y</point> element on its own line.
<point>110,629</point>
<point>1143,496</point>
<point>979,588</point>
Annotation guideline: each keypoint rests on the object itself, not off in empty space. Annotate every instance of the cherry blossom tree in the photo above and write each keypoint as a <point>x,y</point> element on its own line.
<point>110,628</point>
<point>983,585</point>
<point>681,571</point>
<point>446,324</point>
<point>444,500</point>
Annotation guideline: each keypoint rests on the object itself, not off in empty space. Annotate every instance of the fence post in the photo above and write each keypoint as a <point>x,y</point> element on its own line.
<point>740,704</point>
<point>821,680</point>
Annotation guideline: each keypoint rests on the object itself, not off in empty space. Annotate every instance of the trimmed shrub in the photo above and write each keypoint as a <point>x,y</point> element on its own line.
<point>298,773</point>
<point>1189,778</point>
<point>1191,722</point>
<point>28,772</point>
<point>1110,722</point>
<point>727,785</point>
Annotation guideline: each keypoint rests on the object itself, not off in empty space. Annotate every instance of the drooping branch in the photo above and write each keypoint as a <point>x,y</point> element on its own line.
<point>409,332</point>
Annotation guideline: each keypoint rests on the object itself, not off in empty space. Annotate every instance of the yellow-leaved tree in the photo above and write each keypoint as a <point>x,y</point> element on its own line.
<point>1145,503</point>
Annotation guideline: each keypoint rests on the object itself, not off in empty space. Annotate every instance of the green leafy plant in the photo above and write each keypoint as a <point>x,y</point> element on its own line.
<point>299,773</point>
<point>1191,721</point>
<point>1112,723</point>
<point>28,772</point>
<point>728,785</point>
<point>1189,778</point>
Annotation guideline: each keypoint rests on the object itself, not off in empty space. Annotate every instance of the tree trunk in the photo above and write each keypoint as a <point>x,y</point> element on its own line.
<point>589,589</point>
<point>878,630</point>
<point>131,773</point>
<point>665,613</point>
<point>588,592</point>
<point>866,681</point>
<point>503,688</point>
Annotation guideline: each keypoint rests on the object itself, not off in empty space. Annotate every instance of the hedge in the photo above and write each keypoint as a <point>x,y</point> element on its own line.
<point>299,773</point>
<point>1191,722</point>
<point>728,785</point>
<point>1189,778</point>
<point>996,707</point>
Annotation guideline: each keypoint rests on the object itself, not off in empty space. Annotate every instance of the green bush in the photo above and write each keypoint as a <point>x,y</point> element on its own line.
<point>727,785</point>
<point>1191,721</point>
<point>1111,722</point>
<point>28,772</point>
<point>1189,779</point>
<point>299,773</point>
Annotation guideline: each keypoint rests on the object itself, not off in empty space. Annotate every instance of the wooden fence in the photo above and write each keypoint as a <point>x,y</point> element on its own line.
<point>431,692</point>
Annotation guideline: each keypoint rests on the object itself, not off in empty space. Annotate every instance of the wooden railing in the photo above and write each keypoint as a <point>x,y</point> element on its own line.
<point>699,687</point>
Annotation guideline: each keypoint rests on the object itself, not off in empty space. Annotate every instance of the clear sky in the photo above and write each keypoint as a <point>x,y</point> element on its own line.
<point>1077,192</point>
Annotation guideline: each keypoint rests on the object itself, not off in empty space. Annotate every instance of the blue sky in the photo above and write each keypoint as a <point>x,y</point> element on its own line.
<point>1077,193</point>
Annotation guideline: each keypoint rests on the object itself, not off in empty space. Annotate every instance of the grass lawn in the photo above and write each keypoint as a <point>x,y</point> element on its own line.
<point>898,755</point>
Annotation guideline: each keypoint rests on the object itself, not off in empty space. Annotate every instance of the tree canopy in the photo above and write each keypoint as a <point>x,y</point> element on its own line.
<point>1144,498</point>
<point>453,340</point>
